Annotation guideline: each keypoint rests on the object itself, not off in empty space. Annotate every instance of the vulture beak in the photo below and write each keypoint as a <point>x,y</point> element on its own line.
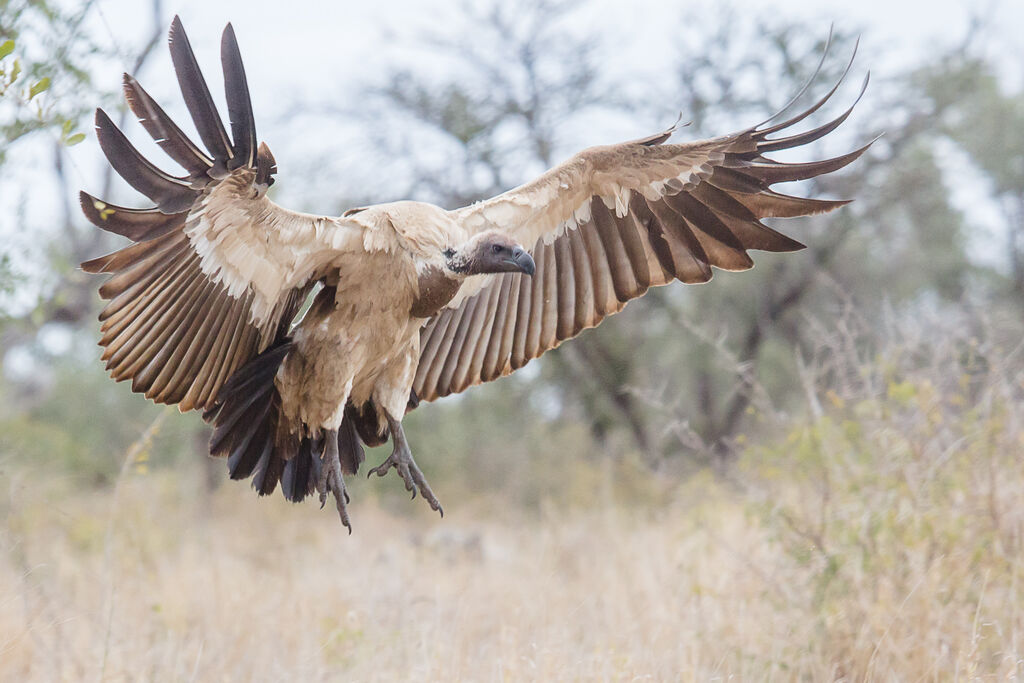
<point>522,261</point>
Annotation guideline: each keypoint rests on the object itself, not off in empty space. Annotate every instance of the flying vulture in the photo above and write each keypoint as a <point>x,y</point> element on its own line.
<point>414,302</point>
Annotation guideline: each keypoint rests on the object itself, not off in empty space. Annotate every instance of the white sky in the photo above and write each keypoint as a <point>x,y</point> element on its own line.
<point>293,50</point>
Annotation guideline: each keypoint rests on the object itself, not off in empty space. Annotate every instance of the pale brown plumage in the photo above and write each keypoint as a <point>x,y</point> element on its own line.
<point>416,302</point>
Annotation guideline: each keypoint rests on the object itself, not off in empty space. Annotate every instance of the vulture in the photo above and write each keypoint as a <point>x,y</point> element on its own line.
<point>409,302</point>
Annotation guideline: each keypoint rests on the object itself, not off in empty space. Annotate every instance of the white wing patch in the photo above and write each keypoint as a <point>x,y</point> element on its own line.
<point>249,243</point>
<point>559,200</point>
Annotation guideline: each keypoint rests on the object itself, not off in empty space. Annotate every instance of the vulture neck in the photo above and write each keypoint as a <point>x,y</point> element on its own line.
<point>436,289</point>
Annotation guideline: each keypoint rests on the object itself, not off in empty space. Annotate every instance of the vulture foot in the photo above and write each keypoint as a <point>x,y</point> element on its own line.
<point>401,459</point>
<point>331,479</point>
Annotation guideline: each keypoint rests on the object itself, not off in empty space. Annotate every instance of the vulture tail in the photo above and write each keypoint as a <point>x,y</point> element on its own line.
<point>249,430</point>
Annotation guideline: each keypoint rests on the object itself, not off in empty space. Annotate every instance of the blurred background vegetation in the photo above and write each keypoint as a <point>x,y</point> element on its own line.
<point>858,404</point>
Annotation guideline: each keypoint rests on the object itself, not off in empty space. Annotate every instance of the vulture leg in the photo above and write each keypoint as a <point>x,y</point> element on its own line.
<point>401,460</point>
<point>331,480</point>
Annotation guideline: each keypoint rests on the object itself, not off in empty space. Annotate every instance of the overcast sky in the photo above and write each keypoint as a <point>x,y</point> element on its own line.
<point>293,50</point>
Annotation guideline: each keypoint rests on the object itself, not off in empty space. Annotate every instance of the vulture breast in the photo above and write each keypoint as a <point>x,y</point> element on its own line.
<point>435,291</point>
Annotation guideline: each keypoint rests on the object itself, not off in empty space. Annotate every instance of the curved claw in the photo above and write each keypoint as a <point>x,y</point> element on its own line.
<point>331,479</point>
<point>381,469</point>
<point>411,476</point>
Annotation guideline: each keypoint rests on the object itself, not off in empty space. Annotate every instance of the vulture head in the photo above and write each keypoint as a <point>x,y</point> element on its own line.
<point>489,252</point>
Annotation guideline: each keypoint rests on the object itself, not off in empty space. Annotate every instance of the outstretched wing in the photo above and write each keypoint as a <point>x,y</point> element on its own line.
<point>607,225</point>
<point>217,271</point>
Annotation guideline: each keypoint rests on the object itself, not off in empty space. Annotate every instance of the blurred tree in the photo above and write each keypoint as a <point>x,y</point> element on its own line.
<point>971,108</point>
<point>41,49</point>
<point>46,78</point>
<point>55,398</point>
<point>685,370</point>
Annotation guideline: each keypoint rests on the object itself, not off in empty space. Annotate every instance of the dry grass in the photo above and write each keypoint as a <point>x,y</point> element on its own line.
<point>253,590</point>
<point>880,539</point>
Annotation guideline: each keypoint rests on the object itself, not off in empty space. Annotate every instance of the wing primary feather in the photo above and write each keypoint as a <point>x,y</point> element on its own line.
<point>627,278</point>
<point>140,304</point>
<point>691,262</point>
<point>538,294</point>
<point>776,172</point>
<point>518,357</point>
<point>131,302</point>
<point>799,139</point>
<point>636,236</point>
<point>736,180</point>
<point>162,352</point>
<point>549,320</point>
<point>565,293</point>
<point>605,300</point>
<point>135,347</point>
<point>197,98</point>
<point>584,308</point>
<point>236,89</point>
<point>189,352</point>
<point>756,235</point>
<point>659,243</point>
<point>164,131</point>
<point>477,339</point>
<point>499,345</point>
<point>171,194</point>
<point>138,225</point>
<point>724,250</point>
<point>429,344</point>
<point>451,365</point>
<point>241,344</point>
<point>205,386</point>
<point>816,106</point>
<point>807,84</point>
<point>770,204</point>
<point>444,345</point>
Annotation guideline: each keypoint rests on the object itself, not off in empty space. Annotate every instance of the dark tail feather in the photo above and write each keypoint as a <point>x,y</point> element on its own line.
<point>246,418</point>
<point>350,450</point>
<point>301,471</point>
<point>367,424</point>
<point>247,428</point>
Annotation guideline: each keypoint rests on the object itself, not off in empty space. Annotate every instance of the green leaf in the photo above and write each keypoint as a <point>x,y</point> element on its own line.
<point>6,48</point>
<point>15,70</point>
<point>74,139</point>
<point>39,87</point>
<point>66,128</point>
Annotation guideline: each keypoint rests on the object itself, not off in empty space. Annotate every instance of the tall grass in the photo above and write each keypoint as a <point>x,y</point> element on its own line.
<point>877,536</point>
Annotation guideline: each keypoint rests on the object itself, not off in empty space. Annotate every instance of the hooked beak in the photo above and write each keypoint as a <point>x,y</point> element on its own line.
<point>522,261</point>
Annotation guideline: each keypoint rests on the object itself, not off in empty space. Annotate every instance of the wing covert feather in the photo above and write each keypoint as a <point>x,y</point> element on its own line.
<point>607,225</point>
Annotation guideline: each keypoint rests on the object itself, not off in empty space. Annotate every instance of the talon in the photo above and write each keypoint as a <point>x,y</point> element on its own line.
<point>332,480</point>
<point>401,459</point>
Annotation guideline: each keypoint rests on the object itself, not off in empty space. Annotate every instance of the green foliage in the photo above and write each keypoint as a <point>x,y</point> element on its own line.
<point>42,75</point>
<point>84,424</point>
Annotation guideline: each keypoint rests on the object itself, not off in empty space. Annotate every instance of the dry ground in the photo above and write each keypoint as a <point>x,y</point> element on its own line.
<point>152,583</point>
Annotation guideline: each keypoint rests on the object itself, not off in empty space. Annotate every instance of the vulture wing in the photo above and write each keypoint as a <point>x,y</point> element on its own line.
<point>604,227</point>
<point>217,271</point>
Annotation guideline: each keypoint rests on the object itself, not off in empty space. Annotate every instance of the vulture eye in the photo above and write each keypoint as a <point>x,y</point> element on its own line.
<point>496,248</point>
